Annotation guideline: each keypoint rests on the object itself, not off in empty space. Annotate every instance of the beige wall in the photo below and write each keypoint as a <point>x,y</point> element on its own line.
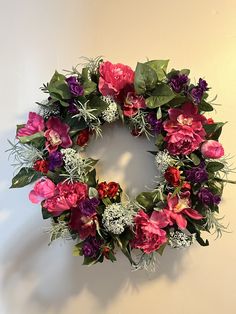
<point>39,36</point>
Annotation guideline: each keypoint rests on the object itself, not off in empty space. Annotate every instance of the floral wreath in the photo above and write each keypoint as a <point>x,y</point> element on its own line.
<point>152,102</point>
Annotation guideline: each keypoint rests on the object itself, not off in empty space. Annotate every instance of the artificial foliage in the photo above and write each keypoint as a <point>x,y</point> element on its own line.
<point>162,105</point>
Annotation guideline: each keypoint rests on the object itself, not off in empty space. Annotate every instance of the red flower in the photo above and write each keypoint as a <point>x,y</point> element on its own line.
<point>114,78</point>
<point>110,189</point>
<point>210,121</point>
<point>186,186</point>
<point>41,166</point>
<point>172,176</point>
<point>83,137</point>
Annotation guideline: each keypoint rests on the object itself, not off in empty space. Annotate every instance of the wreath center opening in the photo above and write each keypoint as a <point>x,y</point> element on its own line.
<point>123,158</point>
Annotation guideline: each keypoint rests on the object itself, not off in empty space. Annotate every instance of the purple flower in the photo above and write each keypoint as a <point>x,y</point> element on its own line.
<point>156,125</point>
<point>178,82</point>
<point>197,92</point>
<point>75,88</point>
<point>88,206</point>
<point>197,174</point>
<point>72,109</point>
<point>202,84</point>
<point>55,160</point>
<point>91,247</point>
<point>208,198</point>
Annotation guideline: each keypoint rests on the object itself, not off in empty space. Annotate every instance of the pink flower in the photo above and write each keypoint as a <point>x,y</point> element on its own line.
<point>178,207</point>
<point>57,134</point>
<point>67,195</point>
<point>184,129</point>
<point>149,235</point>
<point>34,125</point>
<point>212,149</point>
<point>132,103</point>
<point>43,189</point>
<point>114,78</point>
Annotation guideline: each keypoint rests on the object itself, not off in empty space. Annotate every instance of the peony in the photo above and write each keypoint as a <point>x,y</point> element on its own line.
<point>149,235</point>
<point>114,78</point>
<point>184,129</point>
<point>212,149</point>
<point>67,195</point>
<point>43,189</point>
<point>34,125</point>
<point>172,176</point>
<point>57,134</point>
<point>183,141</point>
<point>132,103</point>
<point>178,207</point>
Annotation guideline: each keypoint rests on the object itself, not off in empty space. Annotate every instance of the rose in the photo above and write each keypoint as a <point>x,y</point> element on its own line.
<point>34,125</point>
<point>114,78</point>
<point>41,166</point>
<point>112,189</point>
<point>83,137</point>
<point>212,149</point>
<point>43,189</point>
<point>172,176</point>
<point>149,235</point>
<point>184,141</point>
<point>102,190</point>
<point>132,103</point>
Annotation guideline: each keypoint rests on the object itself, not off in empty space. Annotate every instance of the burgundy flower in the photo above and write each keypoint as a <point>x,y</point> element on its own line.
<point>55,160</point>
<point>155,124</point>
<point>208,198</point>
<point>41,166</point>
<point>57,134</point>
<point>172,176</point>
<point>197,174</point>
<point>91,247</point>
<point>83,137</point>
<point>132,104</point>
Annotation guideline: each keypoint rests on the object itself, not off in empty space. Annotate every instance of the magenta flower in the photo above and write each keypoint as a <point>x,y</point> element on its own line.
<point>212,149</point>
<point>178,207</point>
<point>34,125</point>
<point>67,196</point>
<point>149,235</point>
<point>184,129</point>
<point>132,103</point>
<point>57,134</point>
<point>114,78</point>
<point>43,189</point>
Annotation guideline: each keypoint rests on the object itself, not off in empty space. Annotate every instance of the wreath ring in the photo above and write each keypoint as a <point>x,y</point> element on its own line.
<point>152,102</point>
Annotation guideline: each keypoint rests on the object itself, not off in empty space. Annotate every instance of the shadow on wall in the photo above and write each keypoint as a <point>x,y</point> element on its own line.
<point>36,278</point>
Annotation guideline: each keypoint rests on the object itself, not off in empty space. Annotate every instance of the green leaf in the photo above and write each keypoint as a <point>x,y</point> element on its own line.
<point>46,214</point>
<point>160,67</point>
<point>145,78</point>
<point>30,138</point>
<point>212,128</point>
<point>91,178</point>
<point>98,105</point>
<point>195,159</point>
<point>204,106</point>
<point>77,249</point>
<point>146,199</point>
<point>161,249</point>
<point>161,95</point>
<point>58,88</point>
<point>24,177</point>
<point>159,140</point>
<point>214,166</point>
<point>159,113</point>
<point>89,87</point>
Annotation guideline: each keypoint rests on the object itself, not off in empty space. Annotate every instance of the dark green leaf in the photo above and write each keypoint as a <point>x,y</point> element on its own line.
<point>214,166</point>
<point>98,105</point>
<point>145,78</point>
<point>146,199</point>
<point>204,106</point>
<point>161,95</point>
<point>91,178</point>
<point>24,177</point>
<point>58,88</point>
<point>46,214</point>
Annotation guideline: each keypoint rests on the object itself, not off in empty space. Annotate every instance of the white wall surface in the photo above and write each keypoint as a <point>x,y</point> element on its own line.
<point>38,37</point>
